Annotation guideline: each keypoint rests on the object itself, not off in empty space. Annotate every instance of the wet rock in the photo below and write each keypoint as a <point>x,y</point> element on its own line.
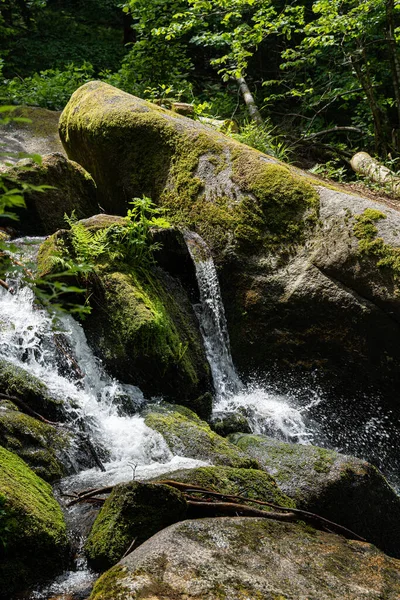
<point>32,528</point>
<point>15,381</point>
<point>72,190</point>
<point>341,488</point>
<point>132,514</point>
<point>235,558</point>
<point>189,436</point>
<point>142,324</point>
<point>40,445</point>
<point>225,423</point>
<point>38,136</point>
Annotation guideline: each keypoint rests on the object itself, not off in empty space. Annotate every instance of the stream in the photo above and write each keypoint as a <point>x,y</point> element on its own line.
<point>127,447</point>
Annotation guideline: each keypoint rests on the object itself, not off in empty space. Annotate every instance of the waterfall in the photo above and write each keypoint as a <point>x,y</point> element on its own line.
<point>266,411</point>
<point>29,339</point>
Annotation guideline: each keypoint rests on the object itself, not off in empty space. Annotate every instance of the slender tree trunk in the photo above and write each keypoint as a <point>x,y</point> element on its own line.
<point>394,61</point>
<point>249,100</point>
<point>364,78</point>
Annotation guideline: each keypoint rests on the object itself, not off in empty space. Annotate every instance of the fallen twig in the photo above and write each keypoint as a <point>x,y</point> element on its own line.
<point>25,408</point>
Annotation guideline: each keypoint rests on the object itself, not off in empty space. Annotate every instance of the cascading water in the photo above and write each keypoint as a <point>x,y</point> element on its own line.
<point>29,339</point>
<point>266,411</point>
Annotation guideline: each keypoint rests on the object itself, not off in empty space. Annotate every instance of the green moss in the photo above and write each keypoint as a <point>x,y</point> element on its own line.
<point>15,381</point>
<point>33,530</point>
<point>210,183</point>
<point>250,483</point>
<point>133,511</point>
<point>195,439</point>
<point>36,442</point>
<point>109,586</point>
<point>370,245</point>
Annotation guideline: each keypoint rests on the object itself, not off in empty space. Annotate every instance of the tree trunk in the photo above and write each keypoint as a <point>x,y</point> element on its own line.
<point>249,100</point>
<point>394,61</point>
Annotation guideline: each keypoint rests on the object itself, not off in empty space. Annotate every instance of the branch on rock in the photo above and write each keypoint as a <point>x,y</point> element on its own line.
<point>26,409</point>
<point>5,285</point>
<point>199,508</point>
<point>202,509</point>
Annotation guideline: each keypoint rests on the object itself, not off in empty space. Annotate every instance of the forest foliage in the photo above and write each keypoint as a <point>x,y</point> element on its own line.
<point>325,74</point>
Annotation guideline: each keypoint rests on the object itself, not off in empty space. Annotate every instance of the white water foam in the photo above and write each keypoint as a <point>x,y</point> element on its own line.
<point>266,412</point>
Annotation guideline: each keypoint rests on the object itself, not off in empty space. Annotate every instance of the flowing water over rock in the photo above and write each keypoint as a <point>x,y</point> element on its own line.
<point>266,411</point>
<point>105,408</point>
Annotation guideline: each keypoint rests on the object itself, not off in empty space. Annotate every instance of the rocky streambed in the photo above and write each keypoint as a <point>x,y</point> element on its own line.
<point>178,473</point>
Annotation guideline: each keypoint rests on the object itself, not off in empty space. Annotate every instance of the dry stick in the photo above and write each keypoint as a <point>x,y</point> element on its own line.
<point>303,513</point>
<point>27,409</point>
<point>234,508</point>
<point>84,497</point>
<point>130,547</point>
<point>5,285</point>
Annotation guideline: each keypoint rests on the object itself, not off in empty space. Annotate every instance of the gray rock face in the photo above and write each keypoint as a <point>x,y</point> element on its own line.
<point>243,558</point>
<point>341,488</point>
<point>71,188</point>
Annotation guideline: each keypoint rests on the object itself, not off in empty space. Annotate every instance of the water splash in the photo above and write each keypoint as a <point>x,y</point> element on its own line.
<point>266,412</point>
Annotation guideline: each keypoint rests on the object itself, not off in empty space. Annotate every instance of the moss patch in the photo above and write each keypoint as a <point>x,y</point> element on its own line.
<point>227,192</point>
<point>36,442</point>
<point>110,586</point>
<point>15,381</point>
<point>194,438</point>
<point>32,526</point>
<point>369,244</point>
<point>134,511</point>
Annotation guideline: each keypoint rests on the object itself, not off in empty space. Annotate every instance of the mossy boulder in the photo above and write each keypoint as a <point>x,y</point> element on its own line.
<point>341,488</point>
<point>142,324</point>
<point>133,513</point>
<point>71,189</point>
<point>15,381</point>
<point>189,436</point>
<point>39,444</point>
<point>39,135</point>
<point>250,483</point>
<point>33,541</point>
<point>243,558</point>
<point>302,290</point>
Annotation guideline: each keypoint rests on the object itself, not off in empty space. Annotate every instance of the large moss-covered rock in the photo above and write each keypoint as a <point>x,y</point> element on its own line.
<point>71,189</point>
<point>189,436</point>
<point>33,541</point>
<point>249,483</point>
<point>15,381</point>
<point>131,515</point>
<point>39,444</point>
<point>305,286</point>
<point>243,558</point>
<point>342,488</point>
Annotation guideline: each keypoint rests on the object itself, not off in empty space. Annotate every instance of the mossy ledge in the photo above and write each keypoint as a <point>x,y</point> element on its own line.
<point>32,528</point>
<point>226,191</point>
<point>369,244</point>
